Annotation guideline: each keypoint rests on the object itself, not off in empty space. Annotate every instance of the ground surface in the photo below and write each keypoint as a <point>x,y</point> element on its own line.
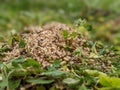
<point>82,54</point>
<point>56,55</point>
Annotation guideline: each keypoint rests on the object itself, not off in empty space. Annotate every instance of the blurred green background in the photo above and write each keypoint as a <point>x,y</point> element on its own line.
<point>103,15</point>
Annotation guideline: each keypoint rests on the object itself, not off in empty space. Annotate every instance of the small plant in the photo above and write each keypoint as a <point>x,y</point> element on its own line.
<point>86,63</point>
<point>17,38</point>
<point>67,35</point>
<point>33,75</point>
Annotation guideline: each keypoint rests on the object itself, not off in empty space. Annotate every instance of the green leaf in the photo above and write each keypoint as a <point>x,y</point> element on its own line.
<point>2,85</point>
<point>4,48</point>
<point>109,81</point>
<point>91,43</point>
<point>89,27</point>
<point>39,81</point>
<point>73,34</point>
<point>17,72</point>
<point>51,68</point>
<point>4,81</point>
<point>13,84</point>
<point>55,73</point>
<point>10,40</point>
<point>31,62</point>
<point>77,51</point>
<point>13,38</point>
<point>94,50</point>
<point>56,63</point>
<point>67,47</point>
<point>107,88</point>
<point>65,34</point>
<point>89,80</point>
<point>19,60</point>
<point>0,77</point>
<point>104,80</point>
<point>15,64</point>
<point>1,64</point>
<point>94,72</point>
<point>16,37</point>
<point>81,22</point>
<point>71,82</point>
<point>115,82</point>
<point>22,43</point>
<point>102,52</point>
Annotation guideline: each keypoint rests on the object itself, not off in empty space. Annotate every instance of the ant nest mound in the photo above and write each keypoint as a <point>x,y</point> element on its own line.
<point>53,41</point>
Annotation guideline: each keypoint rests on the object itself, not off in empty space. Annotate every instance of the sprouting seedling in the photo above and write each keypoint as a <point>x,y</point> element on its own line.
<point>69,39</point>
<point>67,47</point>
<point>13,38</point>
<point>16,38</point>
<point>81,22</point>
<point>65,34</point>
<point>73,34</point>
<point>78,51</point>
<point>22,43</point>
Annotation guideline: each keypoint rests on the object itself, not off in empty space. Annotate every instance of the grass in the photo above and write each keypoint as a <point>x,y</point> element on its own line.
<point>15,15</point>
<point>19,14</point>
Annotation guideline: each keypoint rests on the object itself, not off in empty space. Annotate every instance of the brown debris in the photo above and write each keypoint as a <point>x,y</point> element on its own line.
<point>46,44</point>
